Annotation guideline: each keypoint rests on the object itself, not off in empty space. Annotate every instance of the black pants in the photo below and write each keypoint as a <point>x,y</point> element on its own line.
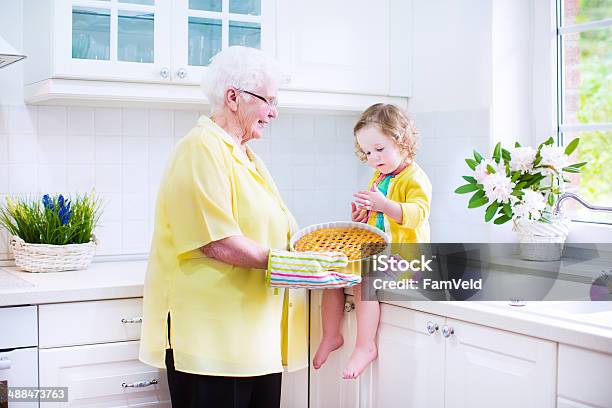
<point>202,391</point>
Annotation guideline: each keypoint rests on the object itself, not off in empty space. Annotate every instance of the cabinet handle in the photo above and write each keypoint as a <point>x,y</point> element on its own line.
<point>139,384</point>
<point>432,327</point>
<point>447,331</point>
<point>164,72</point>
<point>5,363</point>
<point>132,320</point>
<point>349,306</point>
<point>181,73</point>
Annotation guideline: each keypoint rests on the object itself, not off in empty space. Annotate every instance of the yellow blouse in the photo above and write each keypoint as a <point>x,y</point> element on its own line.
<point>411,188</point>
<point>224,319</point>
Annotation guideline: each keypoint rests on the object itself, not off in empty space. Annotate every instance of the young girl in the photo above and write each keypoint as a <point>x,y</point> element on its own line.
<point>397,202</point>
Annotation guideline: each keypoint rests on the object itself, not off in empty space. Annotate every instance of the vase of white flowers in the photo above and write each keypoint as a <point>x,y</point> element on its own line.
<point>522,185</point>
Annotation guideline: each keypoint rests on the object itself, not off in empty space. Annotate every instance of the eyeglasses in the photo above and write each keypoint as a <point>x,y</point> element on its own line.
<point>271,103</point>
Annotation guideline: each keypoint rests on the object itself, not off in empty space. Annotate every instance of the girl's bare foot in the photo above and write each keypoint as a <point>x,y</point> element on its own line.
<point>326,347</point>
<point>360,359</point>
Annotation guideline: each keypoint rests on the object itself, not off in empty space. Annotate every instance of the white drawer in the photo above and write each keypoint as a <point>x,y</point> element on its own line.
<point>79,323</point>
<point>18,327</point>
<point>584,376</point>
<point>95,375</point>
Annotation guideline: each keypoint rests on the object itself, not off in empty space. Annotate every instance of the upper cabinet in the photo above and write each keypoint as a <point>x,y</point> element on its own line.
<point>135,50</point>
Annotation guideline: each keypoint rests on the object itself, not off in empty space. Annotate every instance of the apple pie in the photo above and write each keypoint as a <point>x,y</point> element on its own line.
<point>355,243</point>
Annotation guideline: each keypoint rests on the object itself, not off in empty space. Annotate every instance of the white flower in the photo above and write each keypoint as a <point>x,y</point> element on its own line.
<point>555,157</point>
<point>531,205</point>
<point>481,172</point>
<point>498,187</point>
<point>522,159</point>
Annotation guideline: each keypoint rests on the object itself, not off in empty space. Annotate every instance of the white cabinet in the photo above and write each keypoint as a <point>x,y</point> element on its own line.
<point>103,375</point>
<point>426,360</point>
<point>340,55</point>
<point>338,46</point>
<point>584,378</point>
<point>18,353</point>
<point>327,388</point>
<point>92,348</point>
<point>409,370</point>
<point>487,367</point>
<point>160,41</point>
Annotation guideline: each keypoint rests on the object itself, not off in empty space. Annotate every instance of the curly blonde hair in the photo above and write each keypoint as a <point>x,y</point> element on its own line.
<point>393,122</point>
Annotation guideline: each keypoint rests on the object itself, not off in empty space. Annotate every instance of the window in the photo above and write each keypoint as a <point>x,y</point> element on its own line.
<point>584,83</point>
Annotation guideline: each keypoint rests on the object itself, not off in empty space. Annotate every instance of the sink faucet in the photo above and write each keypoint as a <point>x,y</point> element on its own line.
<point>565,196</point>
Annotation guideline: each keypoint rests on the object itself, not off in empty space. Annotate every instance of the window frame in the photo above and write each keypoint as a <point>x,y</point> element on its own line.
<point>561,127</point>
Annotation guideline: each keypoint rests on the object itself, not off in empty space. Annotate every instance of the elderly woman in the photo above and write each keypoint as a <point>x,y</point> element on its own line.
<point>209,317</point>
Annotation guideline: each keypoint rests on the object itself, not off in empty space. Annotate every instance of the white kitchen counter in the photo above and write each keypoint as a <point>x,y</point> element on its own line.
<point>524,320</point>
<point>102,280</point>
<point>115,280</point>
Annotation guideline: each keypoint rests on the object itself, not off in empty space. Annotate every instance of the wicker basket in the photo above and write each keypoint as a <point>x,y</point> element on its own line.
<point>52,258</point>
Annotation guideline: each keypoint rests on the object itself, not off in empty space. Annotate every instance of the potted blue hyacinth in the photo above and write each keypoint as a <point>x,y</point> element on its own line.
<point>53,233</point>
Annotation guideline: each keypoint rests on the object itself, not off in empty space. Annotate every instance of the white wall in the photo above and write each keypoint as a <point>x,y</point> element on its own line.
<point>476,75</point>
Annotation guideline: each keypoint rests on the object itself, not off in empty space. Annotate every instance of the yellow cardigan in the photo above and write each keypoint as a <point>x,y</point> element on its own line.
<point>411,188</point>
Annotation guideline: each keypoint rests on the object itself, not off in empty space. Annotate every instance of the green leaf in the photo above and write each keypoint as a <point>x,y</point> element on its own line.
<point>501,220</point>
<point>471,163</point>
<point>477,156</point>
<point>578,165</point>
<point>506,155</point>
<point>572,146</point>
<point>477,195</point>
<point>490,169</point>
<point>551,199</point>
<point>467,188</point>
<point>537,161</point>
<point>470,179</point>
<point>517,144</point>
<point>571,170</point>
<point>497,152</point>
<point>515,176</point>
<point>491,210</point>
<point>478,203</point>
<point>549,141</point>
<point>507,209</point>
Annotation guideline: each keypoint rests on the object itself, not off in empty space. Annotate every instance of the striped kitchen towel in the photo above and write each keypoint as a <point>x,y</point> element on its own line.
<point>311,270</point>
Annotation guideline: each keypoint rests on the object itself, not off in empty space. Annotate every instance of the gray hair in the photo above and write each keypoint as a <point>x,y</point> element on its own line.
<point>241,67</point>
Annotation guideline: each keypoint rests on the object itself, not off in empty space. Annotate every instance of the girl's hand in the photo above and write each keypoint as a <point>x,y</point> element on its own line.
<point>358,214</point>
<point>371,200</point>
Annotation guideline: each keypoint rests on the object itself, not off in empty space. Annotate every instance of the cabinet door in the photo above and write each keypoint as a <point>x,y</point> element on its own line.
<point>18,368</point>
<point>112,39</point>
<point>337,46</point>
<point>327,388</point>
<point>409,369</point>
<point>487,367</point>
<point>100,375</point>
<point>584,377</point>
<point>202,28</point>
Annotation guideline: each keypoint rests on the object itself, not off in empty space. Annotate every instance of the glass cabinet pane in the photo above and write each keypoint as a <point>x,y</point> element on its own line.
<point>252,7</point>
<point>145,2</point>
<point>204,40</point>
<point>206,5</point>
<point>135,36</point>
<point>90,33</point>
<point>246,34</point>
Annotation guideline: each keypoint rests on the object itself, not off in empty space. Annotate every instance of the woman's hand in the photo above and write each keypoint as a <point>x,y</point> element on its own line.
<point>358,214</point>
<point>371,200</point>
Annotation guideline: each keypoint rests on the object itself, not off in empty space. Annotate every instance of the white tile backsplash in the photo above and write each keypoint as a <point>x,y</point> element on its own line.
<point>51,120</point>
<point>122,154</point>
<point>107,121</point>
